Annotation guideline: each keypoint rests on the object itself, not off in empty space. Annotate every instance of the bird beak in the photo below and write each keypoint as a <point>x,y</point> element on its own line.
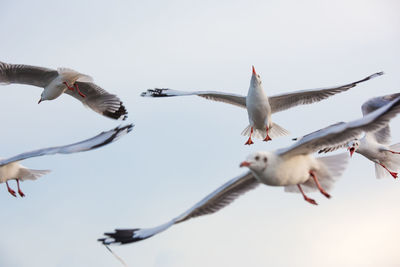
<point>40,100</point>
<point>254,70</point>
<point>244,164</point>
<point>351,150</point>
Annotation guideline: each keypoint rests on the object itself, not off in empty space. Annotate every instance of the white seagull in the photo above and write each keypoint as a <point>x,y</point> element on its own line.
<point>259,106</point>
<point>294,168</point>
<point>10,169</point>
<point>375,145</point>
<point>64,80</point>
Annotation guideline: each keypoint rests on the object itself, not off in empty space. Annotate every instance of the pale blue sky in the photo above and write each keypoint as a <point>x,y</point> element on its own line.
<point>181,149</point>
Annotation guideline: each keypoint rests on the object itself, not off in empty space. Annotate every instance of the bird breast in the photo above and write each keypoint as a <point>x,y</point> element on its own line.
<point>289,171</point>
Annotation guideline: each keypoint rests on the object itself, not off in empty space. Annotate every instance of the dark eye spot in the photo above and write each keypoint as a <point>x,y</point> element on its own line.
<point>257,157</point>
<point>265,159</point>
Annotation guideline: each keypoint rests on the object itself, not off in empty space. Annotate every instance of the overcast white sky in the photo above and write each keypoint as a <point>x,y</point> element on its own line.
<point>181,149</point>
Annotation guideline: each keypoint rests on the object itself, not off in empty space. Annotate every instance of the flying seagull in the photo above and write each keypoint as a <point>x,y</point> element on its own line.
<point>374,145</point>
<point>64,80</point>
<point>259,106</point>
<point>294,168</point>
<point>11,169</point>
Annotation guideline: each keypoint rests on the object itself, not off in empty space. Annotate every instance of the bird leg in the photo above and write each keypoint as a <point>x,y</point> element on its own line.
<point>12,192</point>
<point>306,198</point>
<point>267,138</point>
<point>250,142</point>
<point>19,189</point>
<point>394,174</point>
<point>79,92</point>
<point>73,88</point>
<point>319,185</point>
<point>69,87</point>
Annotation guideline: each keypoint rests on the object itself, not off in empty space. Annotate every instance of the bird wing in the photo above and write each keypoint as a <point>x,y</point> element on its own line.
<point>97,141</point>
<point>341,133</point>
<point>99,100</point>
<point>25,74</point>
<point>286,101</point>
<point>383,135</point>
<point>233,99</point>
<point>212,203</point>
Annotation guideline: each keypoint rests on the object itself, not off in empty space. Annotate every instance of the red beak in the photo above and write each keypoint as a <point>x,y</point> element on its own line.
<point>40,100</point>
<point>351,149</point>
<point>254,70</point>
<point>245,164</point>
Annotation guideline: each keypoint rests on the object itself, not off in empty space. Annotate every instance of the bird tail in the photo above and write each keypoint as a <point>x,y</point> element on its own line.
<point>331,168</point>
<point>274,131</point>
<point>392,162</point>
<point>126,236</point>
<point>29,174</point>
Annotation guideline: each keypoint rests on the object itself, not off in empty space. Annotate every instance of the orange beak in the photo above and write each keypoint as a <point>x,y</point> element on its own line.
<point>40,100</point>
<point>245,164</point>
<point>254,70</point>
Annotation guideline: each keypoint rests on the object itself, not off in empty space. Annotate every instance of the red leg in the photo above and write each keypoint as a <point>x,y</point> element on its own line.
<point>250,142</point>
<point>19,189</point>
<point>306,198</point>
<point>394,152</point>
<point>267,138</point>
<point>69,87</point>
<point>12,192</point>
<point>79,92</point>
<point>319,185</point>
<point>394,174</point>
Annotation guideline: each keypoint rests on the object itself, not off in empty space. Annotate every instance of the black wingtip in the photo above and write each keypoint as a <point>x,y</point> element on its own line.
<point>121,236</point>
<point>156,92</point>
<point>120,114</point>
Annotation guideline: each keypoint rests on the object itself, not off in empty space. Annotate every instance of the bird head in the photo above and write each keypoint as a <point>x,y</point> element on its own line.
<point>255,78</point>
<point>352,146</point>
<point>258,161</point>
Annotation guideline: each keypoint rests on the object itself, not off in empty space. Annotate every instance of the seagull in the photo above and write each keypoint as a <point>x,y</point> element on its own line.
<point>259,106</point>
<point>64,80</point>
<point>374,145</point>
<point>11,169</point>
<point>294,168</point>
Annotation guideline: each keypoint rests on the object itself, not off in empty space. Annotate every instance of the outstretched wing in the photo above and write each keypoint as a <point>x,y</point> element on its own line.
<point>99,140</point>
<point>383,135</point>
<point>25,74</point>
<point>100,100</point>
<point>233,99</point>
<point>341,133</point>
<point>212,203</point>
<point>286,101</point>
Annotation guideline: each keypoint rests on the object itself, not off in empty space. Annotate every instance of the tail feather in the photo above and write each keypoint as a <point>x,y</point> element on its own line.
<point>331,168</point>
<point>274,131</point>
<point>29,174</point>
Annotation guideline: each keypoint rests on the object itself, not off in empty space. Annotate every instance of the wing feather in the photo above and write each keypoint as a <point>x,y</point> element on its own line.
<point>341,133</point>
<point>212,203</point>
<point>97,141</point>
<point>26,74</point>
<point>100,100</point>
<point>304,97</point>
<point>233,99</point>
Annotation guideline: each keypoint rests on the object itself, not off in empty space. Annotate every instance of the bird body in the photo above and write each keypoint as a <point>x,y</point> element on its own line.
<point>58,85</point>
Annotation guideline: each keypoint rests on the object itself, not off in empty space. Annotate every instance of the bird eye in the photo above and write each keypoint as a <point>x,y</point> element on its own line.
<point>257,157</point>
<point>265,159</point>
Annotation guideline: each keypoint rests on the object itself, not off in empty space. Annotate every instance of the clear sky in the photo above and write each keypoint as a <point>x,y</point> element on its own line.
<point>183,148</point>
